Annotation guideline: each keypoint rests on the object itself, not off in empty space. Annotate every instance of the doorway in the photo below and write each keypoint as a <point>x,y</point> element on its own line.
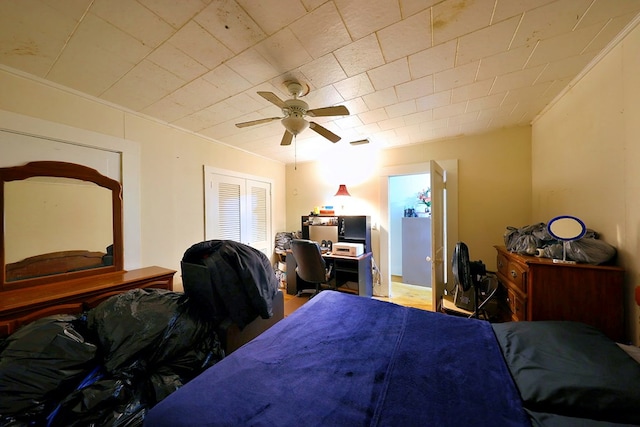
<point>410,239</point>
<point>439,215</point>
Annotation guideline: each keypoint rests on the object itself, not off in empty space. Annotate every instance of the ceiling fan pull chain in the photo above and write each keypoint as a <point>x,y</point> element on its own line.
<point>295,153</point>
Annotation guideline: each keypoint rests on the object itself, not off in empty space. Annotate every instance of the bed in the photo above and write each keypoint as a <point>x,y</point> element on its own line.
<point>344,360</point>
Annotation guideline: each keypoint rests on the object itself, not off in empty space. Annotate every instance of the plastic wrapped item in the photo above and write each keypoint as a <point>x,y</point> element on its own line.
<point>527,239</point>
<point>535,240</point>
<point>39,363</point>
<point>587,250</point>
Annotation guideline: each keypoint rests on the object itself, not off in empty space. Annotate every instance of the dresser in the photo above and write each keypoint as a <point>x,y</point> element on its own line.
<point>539,289</point>
<point>21,306</point>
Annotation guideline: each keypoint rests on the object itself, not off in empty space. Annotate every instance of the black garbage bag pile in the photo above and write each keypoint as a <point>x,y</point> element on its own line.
<point>107,367</point>
<point>535,240</point>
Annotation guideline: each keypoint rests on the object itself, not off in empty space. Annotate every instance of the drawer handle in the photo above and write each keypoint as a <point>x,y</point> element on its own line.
<point>514,274</point>
<point>500,264</point>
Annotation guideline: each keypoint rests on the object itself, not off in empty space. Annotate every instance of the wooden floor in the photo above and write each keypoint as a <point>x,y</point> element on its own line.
<point>401,294</point>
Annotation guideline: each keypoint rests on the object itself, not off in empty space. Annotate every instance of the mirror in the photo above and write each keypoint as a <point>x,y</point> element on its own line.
<point>566,228</point>
<point>59,221</point>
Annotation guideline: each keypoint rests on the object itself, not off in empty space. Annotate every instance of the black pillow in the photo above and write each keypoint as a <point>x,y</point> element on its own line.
<point>571,369</point>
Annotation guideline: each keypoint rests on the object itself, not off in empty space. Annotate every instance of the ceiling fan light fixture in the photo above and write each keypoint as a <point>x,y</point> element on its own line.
<point>294,124</point>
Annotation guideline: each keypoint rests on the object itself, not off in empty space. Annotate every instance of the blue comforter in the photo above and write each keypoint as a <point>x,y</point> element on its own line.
<point>344,360</point>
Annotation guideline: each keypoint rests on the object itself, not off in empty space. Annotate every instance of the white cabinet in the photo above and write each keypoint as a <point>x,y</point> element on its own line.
<point>416,247</point>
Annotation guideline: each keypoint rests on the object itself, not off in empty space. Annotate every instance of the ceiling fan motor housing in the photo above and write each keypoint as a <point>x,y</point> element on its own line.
<point>294,113</point>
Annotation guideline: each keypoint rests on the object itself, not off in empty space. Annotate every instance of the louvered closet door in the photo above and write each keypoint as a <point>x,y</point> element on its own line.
<point>238,209</point>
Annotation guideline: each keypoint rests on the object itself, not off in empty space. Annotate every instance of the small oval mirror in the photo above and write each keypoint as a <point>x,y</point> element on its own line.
<point>566,228</point>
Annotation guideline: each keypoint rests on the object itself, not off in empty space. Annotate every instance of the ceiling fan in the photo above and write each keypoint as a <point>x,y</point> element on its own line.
<point>294,111</point>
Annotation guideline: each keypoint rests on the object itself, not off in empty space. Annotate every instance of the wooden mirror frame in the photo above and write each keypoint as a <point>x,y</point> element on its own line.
<point>63,170</point>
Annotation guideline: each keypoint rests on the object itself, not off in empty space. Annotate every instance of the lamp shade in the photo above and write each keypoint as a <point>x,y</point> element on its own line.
<point>342,191</point>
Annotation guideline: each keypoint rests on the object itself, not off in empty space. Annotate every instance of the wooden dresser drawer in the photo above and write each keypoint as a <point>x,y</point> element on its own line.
<point>517,275</point>
<point>517,306</point>
<point>503,264</point>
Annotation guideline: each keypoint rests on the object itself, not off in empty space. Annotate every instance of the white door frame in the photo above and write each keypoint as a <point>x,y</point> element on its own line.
<point>451,167</point>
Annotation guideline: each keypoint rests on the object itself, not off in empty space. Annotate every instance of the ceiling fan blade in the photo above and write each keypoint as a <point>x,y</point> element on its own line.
<point>257,122</point>
<point>273,98</point>
<point>338,110</point>
<point>324,132</point>
<point>286,138</point>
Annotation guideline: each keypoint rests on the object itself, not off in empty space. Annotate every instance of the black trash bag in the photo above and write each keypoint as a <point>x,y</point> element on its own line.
<point>39,363</point>
<point>107,401</point>
<point>159,359</point>
<point>130,323</point>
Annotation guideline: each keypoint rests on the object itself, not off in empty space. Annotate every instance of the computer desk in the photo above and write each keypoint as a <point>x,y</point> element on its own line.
<point>348,272</point>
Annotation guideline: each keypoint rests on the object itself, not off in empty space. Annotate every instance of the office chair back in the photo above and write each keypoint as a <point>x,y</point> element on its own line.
<point>311,265</point>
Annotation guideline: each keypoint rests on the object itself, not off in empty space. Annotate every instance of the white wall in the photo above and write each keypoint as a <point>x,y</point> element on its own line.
<point>585,155</point>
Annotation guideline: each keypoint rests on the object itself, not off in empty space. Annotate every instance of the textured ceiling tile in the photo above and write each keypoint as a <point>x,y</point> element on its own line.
<point>455,18</point>
<point>563,46</point>
<point>321,31</point>
<point>166,109</point>
<point>364,17</point>
<point>455,77</point>
<point>197,94</point>
<point>394,41</point>
<point>381,98</point>
<point>179,63</point>
<point>391,74</point>
<point>549,21</point>
<point>610,32</point>
<point>486,42</point>
<point>411,7</point>
<point>433,60</point>
<point>355,106</point>
<point>142,86</point>
<point>134,19</point>
<point>515,81</point>
<point>566,67</point>
<point>402,108</point>
<point>391,123</point>
<point>273,15</point>
<point>230,24</point>
<point>509,8</point>
<point>504,63</point>
<point>471,91</point>
<point>193,40</point>
<point>355,86</point>
<point>323,71</point>
<point>31,42</point>
<point>449,110</point>
<point>360,56</point>
<point>491,101</point>
<point>433,101</point>
<point>252,66</point>
<point>227,80</point>
<point>373,116</point>
<point>415,88</point>
<point>96,57</point>
<point>283,51</point>
<point>417,118</point>
<point>175,13</point>
<point>222,53</point>
<point>601,10</point>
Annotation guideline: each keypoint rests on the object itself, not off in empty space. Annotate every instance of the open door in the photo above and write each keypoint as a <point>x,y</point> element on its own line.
<point>438,236</point>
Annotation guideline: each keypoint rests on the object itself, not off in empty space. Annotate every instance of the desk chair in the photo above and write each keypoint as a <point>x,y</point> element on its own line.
<point>311,266</point>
